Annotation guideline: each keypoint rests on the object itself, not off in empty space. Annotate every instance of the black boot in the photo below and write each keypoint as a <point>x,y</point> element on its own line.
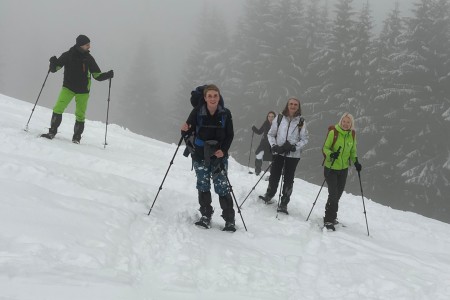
<point>283,205</point>
<point>258,165</point>
<point>78,129</point>
<point>270,193</point>
<point>226,203</point>
<point>54,124</point>
<point>204,199</point>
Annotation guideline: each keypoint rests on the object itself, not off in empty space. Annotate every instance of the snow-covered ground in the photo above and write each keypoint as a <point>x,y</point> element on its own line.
<point>74,225</point>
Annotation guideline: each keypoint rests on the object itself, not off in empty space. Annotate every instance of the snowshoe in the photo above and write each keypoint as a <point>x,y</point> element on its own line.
<point>283,209</point>
<point>49,135</point>
<point>266,199</point>
<point>329,226</point>
<point>229,226</point>
<point>204,222</point>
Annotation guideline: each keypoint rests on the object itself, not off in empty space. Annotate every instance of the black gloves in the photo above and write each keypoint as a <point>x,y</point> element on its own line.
<point>109,74</point>
<point>105,76</point>
<point>277,149</point>
<point>254,129</point>
<point>358,166</point>
<point>287,147</point>
<point>334,155</point>
<point>53,64</point>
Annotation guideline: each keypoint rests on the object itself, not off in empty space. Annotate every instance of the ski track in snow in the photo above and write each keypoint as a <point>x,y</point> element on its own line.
<point>75,226</point>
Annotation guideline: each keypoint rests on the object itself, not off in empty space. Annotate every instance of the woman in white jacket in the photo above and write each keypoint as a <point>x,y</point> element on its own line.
<point>287,138</point>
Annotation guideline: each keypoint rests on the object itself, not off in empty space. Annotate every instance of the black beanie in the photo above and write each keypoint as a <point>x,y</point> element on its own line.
<point>82,40</point>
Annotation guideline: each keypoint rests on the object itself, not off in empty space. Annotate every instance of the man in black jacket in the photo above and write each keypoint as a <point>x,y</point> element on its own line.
<point>78,65</point>
<point>213,128</point>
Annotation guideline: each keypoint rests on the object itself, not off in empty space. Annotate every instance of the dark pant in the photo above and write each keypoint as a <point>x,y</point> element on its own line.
<point>290,164</point>
<point>336,180</point>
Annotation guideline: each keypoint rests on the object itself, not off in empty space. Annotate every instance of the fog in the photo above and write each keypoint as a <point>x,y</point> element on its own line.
<point>29,37</point>
<point>151,42</point>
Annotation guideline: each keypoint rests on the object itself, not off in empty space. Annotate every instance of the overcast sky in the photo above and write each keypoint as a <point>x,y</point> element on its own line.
<point>29,37</point>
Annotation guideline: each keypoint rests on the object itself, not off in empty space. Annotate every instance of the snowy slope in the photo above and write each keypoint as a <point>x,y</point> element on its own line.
<point>74,225</point>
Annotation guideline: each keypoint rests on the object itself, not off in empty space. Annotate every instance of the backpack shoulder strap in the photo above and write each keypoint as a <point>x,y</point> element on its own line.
<point>279,118</point>
<point>335,136</point>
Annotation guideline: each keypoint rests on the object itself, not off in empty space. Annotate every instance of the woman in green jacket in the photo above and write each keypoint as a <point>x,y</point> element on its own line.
<point>339,149</point>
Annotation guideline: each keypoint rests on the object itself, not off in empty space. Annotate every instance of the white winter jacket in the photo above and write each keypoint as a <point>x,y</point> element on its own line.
<point>289,130</point>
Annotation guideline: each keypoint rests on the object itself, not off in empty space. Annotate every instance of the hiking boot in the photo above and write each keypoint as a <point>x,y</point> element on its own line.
<point>76,139</point>
<point>204,222</point>
<point>229,226</point>
<point>78,129</point>
<point>54,124</point>
<point>282,208</point>
<point>49,135</point>
<point>266,198</point>
<point>329,226</point>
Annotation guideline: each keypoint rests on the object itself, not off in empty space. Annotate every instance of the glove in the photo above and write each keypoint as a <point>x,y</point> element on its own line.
<point>277,149</point>
<point>287,147</point>
<point>358,166</point>
<point>109,74</point>
<point>334,155</point>
<point>254,129</point>
<point>53,64</point>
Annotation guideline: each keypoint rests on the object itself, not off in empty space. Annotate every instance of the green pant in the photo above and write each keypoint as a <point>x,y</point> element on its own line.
<point>81,100</point>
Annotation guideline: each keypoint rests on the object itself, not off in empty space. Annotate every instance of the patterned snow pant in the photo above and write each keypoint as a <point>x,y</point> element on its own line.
<point>217,171</point>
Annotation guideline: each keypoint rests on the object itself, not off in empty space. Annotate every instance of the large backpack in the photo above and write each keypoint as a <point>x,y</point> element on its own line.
<point>335,136</point>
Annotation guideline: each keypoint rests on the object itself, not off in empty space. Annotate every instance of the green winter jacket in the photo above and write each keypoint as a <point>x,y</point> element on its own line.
<point>348,149</point>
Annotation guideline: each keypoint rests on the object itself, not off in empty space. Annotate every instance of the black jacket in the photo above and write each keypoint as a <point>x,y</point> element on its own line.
<point>264,144</point>
<point>212,127</point>
<point>78,68</point>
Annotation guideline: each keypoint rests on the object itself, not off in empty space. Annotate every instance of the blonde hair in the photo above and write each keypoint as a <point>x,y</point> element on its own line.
<point>352,120</point>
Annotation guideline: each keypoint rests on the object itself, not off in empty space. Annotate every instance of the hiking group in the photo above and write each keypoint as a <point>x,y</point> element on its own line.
<point>208,133</point>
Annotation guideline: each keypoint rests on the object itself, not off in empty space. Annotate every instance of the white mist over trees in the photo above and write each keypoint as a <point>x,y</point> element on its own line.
<point>395,83</point>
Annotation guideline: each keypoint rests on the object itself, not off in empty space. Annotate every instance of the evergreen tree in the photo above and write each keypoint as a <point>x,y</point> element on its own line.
<point>208,62</point>
<point>139,109</point>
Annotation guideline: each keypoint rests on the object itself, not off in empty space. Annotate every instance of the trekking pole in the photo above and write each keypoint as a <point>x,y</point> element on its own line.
<point>171,163</point>
<point>249,154</point>
<point>364,206</point>
<point>253,188</point>
<point>234,198</point>
<point>107,112</point>
<point>26,126</point>
<point>332,162</point>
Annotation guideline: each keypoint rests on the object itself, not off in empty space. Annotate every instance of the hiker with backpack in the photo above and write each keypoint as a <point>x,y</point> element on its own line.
<point>211,125</point>
<point>263,151</point>
<point>287,137</point>
<point>339,149</point>
<point>78,65</point>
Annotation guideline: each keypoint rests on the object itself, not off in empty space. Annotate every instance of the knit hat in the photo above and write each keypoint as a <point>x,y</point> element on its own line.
<point>82,40</point>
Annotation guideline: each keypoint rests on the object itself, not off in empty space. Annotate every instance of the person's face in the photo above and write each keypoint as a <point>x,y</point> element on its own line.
<point>293,106</point>
<point>346,123</point>
<point>270,117</point>
<point>86,47</point>
<point>212,98</point>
